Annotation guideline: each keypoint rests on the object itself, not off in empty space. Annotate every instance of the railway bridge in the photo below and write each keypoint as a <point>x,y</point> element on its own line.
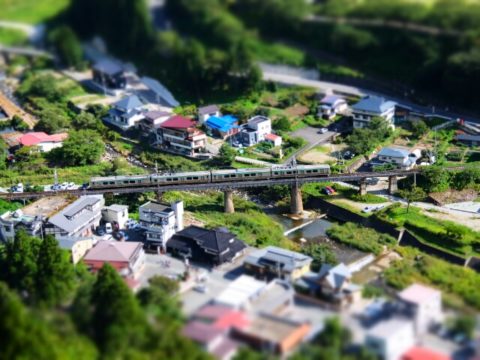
<point>296,204</point>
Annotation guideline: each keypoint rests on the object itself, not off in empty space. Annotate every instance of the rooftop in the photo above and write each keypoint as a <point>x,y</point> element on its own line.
<point>331,99</point>
<point>221,317</point>
<point>155,207</point>
<point>272,137</point>
<point>387,328</point>
<point>117,207</point>
<point>155,114</point>
<point>373,104</point>
<point>418,353</point>
<point>272,254</point>
<point>240,291</point>
<point>257,119</point>
<point>335,275</point>
<point>223,123</point>
<point>109,67</point>
<point>418,294</point>
<point>178,122</point>
<point>68,242</point>
<point>113,251</point>
<point>12,139</point>
<point>394,152</point>
<point>129,103</point>
<point>209,109</point>
<point>35,138</point>
<point>467,137</point>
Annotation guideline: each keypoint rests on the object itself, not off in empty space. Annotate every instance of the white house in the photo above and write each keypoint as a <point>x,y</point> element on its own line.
<point>390,339</point>
<point>274,139</point>
<point>126,113</point>
<point>262,125</point>
<point>398,156</point>
<point>117,214</point>
<point>43,141</point>
<point>206,112</point>
<point>331,105</point>
<point>424,304</point>
<point>372,106</point>
<point>160,221</point>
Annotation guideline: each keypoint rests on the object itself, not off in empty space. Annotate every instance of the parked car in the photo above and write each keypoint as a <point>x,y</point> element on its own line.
<point>322,130</point>
<point>348,155</point>
<point>201,288</point>
<point>100,231</point>
<point>368,209</point>
<point>55,187</point>
<point>331,190</point>
<point>84,186</point>
<point>120,235</point>
<point>372,181</point>
<point>326,191</point>
<point>108,228</point>
<point>70,186</point>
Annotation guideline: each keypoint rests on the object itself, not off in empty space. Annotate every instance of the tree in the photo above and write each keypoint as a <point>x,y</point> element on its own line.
<point>85,120</point>
<point>282,124</point>
<point>18,123</point>
<point>40,85</point>
<point>465,178</point>
<point>321,254</point>
<point>118,323</point>
<point>435,178</point>
<point>68,46</point>
<point>54,279</point>
<point>81,148</point>
<point>413,194</point>
<point>52,120</point>
<point>419,128</point>
<point>226,155</point>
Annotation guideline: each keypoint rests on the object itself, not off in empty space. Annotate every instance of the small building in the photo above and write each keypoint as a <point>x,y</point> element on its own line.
<point>126,113</point>
<point>241,292</point>
<point>43,141</point>
<point>274,334</point>
<point>469,140</point>
<point>206,112</point>
<point>127,257</point>
<point>78,219</point>
<point>274,139</point>
<point>372,106</point>
<point>13,221</point>
<point>161,222</point>
<point>402,158</point>
<point>273,262</point>
<point>110,74</point>
<point>424,305</point>
<point>116,214</point>
<point>222,127</point>
<point>390,339</point>
<point>213,247</point>
<point>152,120</point>
<point>255,130</point>
<point>421,353</point>
<point>179,134</point>
<point>77,247</point>
<point>332,105</point>
<point>336,286</point>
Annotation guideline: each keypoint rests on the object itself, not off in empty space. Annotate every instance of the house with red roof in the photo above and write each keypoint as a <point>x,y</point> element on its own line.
<point>180,135</point>
<point>128,258</point>
<point>276,140</point>
<point>420,353</point>
<point>43,141</point>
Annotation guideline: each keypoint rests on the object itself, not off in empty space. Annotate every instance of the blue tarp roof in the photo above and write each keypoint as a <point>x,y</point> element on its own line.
<point>223,123</point>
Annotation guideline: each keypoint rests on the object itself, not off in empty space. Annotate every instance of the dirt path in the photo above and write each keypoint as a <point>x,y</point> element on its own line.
<point>11,109</point>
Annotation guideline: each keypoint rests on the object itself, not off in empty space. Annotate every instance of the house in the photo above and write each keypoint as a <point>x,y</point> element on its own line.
<point>402,158</point>
<point>126,113</point>
<point>331,105</point>
<point>420,353</point>
<point>152,120</point>
<point>222,127</point>
<point>161,222</point>
<point>13,221</point>
<point>335,285</point>
<point>127,257</point>
<point>390,339</point>
<point>273,261</point>
<point>272,333</point>
<point>255,130</point>
<point>201,245</point>
<point>43,141</point>
<point>178,134</point>
<point>423,304</point>
<point>116,214</point>
<point>241,292</point>
<point>274,139</point>
<point>77,247</point>
<point>110,74</point>
<point>372,106</point>
<point>78,219</point>
<point>205,112</point>
<point>469,140</point>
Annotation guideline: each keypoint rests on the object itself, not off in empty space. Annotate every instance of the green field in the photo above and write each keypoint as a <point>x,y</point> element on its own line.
<point>10,37</point>
<point>31,11</point>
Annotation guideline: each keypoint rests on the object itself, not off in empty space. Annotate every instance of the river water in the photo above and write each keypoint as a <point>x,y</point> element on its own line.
<point>315,232</point>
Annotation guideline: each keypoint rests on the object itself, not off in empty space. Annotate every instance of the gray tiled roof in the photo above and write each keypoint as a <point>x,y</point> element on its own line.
<point>208,109</point>
<point>335,276</point>
<point>129,103</point>
<point>394,152</point>
<point>289,260</point>
<point>373,104</point>
<point>156,207</point>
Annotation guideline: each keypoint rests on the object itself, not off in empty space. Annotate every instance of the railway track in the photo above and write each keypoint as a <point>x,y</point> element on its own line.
<point>12,109</point>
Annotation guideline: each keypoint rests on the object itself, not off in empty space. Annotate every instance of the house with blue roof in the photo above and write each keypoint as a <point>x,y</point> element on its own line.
<point>126,113</point>
<point>331,105</point>
<point>222,126</point>
<point>372,106</point>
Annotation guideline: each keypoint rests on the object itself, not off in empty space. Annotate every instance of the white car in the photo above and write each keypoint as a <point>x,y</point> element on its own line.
<point>323,130</point>
<point>108,228</point>
<point>70,186</point>
<point>368,209</point>
<point>201,288</point>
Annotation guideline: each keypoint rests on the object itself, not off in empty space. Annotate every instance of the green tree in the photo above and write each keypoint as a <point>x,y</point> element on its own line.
<point>419,128</point>
<point>85,120</point>
<point>321,254</point>
<point>68,46</point>
<point>282,124</point>
<point>52,120</point>
<point>119,325</point>
<point>226,155</point>
<point>465,178</point>
<point>412,194</point>
<point>40,85</point>
<point>55,276</point>
<point>81,148</point>
<point>435,178</point>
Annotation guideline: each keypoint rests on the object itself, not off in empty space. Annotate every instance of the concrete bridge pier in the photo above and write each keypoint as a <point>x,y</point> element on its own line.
<point>392,185</point>
<point>228,202</point>
<point>362,187</point>
<point>296,202</point>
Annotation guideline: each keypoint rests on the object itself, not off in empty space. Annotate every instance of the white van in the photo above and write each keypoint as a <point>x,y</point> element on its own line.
<point>108,228</point>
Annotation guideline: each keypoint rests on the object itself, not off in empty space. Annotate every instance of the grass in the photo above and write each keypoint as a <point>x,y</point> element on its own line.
<point>12,37</point>
<point>339,70</point>
<point>315,189</point>
<point>361,238</point>
<point>248,222</point>
<point>9,206</point>
<point>78,174</point>
<point>438,233</point>
<point>275,53</point>
<point>31,11</point>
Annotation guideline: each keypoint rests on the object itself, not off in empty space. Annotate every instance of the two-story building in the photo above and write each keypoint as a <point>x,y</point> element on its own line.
<point>401,158</point>
<point>160,222</point>
<point>179,134</point>
<point>331,105</point>
<point>126,113</point>
<point>116,214</point>
<point>109,74</point>
<point>79,219</point>
<point>205,112</point>
<point>372,106</point>
<point>13,221</point>
<point>152,121</point>
<point>255,130</point>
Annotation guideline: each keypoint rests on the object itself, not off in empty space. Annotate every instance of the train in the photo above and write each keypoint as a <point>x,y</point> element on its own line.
<point>212,176</point>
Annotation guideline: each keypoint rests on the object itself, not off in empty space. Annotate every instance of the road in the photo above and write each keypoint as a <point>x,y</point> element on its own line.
<point>35,33</point>
<point>269,74</point>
